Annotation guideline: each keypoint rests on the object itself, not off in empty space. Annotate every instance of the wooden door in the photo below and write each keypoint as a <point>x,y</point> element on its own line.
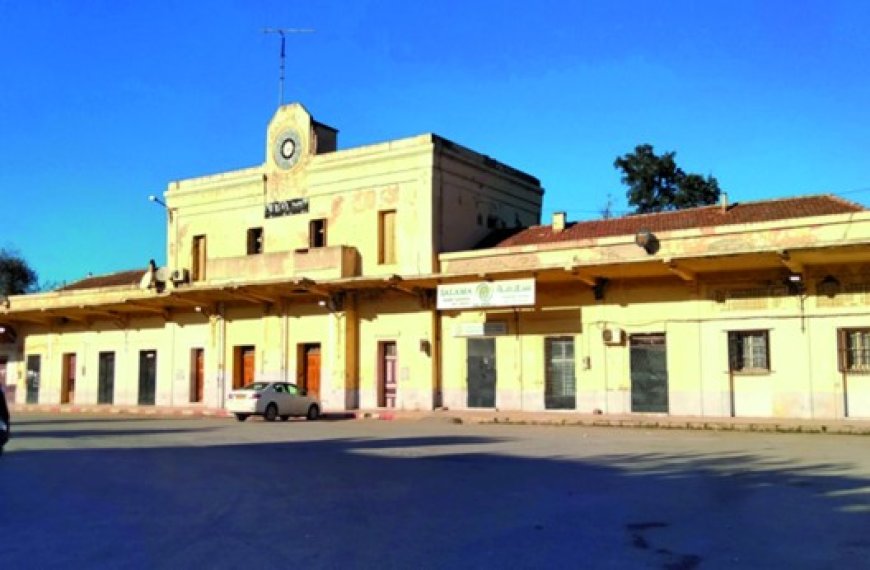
<point>68,379</point>
<point>388,381</point>
<point>243,366</point>
<point>311,369</point>
<point>197,374</point>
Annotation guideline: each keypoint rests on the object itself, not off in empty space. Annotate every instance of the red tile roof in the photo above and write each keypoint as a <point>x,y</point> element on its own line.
<point>130,277</point>
<point>705,216</point>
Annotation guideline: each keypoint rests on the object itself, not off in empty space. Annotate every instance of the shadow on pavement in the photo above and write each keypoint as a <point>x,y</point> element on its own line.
<point>444,501</point>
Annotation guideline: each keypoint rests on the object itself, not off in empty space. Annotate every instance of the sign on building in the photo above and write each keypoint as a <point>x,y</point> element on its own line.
<point>287,207</point>
<point>491,328</point>
<point>509,293</point>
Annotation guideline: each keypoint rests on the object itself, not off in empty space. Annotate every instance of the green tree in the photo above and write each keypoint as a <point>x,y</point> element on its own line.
<point>16,277</point>
<point>655,183</point>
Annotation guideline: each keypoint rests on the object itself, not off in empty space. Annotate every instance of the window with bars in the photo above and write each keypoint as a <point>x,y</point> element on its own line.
<point>560,389</point>
<point>853,347</point>
<point>749,351</point>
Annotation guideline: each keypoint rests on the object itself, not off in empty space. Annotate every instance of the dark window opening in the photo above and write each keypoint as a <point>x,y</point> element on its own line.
<point>317,233</point>
<point>255,241</point>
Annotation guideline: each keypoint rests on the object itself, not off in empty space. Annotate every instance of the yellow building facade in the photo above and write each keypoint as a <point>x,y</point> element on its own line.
<point>416,274</point>
<point>317,266</point>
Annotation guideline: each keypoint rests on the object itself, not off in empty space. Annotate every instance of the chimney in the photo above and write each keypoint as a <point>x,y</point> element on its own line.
<point>723,201</point>
<point>558,222</point>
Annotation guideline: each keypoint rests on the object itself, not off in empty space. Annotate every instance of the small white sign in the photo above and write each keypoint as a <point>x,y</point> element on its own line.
<point>509,293</point>
<point>492,328</point>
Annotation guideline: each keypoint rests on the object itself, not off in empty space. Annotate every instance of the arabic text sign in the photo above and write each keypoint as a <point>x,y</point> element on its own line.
<point>510,293</point>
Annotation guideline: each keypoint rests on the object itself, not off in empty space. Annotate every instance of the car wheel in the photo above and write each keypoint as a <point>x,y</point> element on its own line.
<point>241,417</point>
<point>285,417</point>
<point>271,413</point>
<point>313,412</point>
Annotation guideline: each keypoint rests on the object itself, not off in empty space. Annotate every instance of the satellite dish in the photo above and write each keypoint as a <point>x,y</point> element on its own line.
<point>162,275</point>
<point>147,280</point>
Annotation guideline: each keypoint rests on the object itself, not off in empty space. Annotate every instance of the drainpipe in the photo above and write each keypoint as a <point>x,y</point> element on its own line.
<point>222,356</point>
<point>520,352</point>
<point>733,409</point>
<point>845,393</point>
<point>172,367</point>
<point>285,334</point>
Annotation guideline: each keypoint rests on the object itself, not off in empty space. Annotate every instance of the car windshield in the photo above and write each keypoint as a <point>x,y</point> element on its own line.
<point>256,386</point>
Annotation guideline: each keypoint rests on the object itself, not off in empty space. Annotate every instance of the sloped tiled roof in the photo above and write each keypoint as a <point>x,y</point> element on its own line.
<point>705,216</point>
<point>130,277</point>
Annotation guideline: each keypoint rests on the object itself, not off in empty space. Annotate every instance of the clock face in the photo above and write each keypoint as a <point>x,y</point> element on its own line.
<point>287,149</point>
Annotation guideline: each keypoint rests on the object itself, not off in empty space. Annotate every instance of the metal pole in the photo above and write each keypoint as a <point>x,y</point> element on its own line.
<point>283,33</point>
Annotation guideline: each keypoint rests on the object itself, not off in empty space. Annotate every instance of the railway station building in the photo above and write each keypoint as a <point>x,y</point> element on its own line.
<point>418,274</point>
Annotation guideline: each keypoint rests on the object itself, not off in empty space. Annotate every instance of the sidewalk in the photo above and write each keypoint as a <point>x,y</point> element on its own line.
<point>548,418</point>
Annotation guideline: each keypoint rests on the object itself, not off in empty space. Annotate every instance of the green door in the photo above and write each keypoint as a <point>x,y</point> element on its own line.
<point>147,377</point>
<point>106,378</point>
<point>34,365</point>
<point>649,373</point>
<point>481,372</point>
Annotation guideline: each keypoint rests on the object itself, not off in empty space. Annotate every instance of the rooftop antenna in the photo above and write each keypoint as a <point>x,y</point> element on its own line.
<point>283,33</point>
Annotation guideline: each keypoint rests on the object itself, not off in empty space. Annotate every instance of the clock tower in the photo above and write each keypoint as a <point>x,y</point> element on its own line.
<point>292,139</point>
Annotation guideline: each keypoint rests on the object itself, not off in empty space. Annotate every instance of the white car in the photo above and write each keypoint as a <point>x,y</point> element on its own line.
<point>272,400</point>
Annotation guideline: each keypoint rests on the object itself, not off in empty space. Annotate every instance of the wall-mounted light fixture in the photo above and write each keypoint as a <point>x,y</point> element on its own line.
<point>205,311</point>
<point>158,201</point>
<point>647,240</point>
<point>334,302</point>
<point>829,286</point>
<point>795,283</point>
<point>599,288</point>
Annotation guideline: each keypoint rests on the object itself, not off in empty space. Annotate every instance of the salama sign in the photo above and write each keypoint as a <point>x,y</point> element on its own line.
<point>509,293</point>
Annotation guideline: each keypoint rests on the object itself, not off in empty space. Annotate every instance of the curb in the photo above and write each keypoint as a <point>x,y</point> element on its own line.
<point>461,417</point>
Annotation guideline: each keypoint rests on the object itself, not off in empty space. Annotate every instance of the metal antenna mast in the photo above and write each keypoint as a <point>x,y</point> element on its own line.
<point>283,33</point>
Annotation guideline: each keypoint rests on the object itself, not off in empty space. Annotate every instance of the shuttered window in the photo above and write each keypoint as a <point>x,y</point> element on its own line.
<point>748,351</point>
<point>387,237</point>
<point>199,256</point>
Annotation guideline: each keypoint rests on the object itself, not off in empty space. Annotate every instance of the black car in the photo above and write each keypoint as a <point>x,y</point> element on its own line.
<point>4,420</point>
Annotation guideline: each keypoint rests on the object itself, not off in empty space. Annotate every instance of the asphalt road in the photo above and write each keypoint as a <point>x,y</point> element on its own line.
<point>108,492</point>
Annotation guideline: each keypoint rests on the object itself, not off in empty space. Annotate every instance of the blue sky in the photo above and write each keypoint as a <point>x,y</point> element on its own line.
<point>103,102</point>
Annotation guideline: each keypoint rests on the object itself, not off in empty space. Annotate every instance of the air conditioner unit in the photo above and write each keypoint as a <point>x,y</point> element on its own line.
<point>613,335</point>
<point>180,276</point>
